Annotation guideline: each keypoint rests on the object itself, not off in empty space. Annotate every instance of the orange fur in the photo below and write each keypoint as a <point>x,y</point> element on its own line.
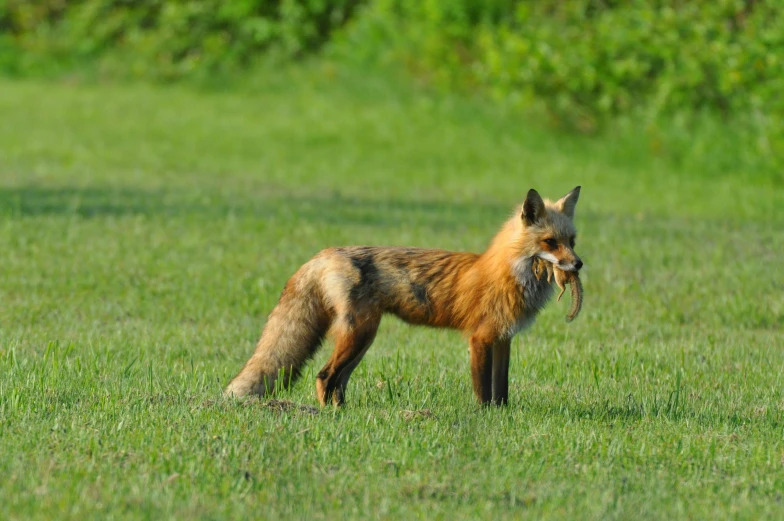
<point>343,293</point>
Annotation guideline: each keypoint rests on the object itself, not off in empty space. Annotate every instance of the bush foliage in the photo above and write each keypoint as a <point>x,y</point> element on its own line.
<point>588,57</point>
<point>584,61</point>
<point>159,38</point>
<point>594,58</point>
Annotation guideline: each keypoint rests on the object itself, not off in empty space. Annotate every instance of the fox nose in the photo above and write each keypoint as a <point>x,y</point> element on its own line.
<point>578,264</point>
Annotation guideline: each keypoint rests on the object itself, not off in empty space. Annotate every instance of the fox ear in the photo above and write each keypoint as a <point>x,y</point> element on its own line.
<point>567,203</point>
<point>533,207</point>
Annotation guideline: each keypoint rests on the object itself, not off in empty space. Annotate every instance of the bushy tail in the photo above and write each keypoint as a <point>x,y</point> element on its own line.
<point>294,331</point>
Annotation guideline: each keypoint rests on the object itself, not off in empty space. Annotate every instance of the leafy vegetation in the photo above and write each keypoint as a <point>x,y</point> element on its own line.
<point>162,39</point>
<point>588,61</point>
<point>586,65</point>
<point>595,57</point>
<point>145,232</point>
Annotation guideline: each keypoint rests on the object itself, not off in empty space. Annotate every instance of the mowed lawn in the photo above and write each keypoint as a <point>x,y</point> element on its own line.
<point>146,232</point>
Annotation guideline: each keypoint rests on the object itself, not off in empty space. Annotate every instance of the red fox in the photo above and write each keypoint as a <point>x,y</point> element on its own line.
<point>342,293</point>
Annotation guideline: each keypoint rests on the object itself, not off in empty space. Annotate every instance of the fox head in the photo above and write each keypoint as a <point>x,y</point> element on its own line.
<point>549,230</point>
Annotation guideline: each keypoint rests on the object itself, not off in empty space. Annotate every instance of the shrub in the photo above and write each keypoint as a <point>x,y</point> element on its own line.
<point>597,57</point>
<point>166,39</point>
<point>588,61</point>
<point>584,61</point>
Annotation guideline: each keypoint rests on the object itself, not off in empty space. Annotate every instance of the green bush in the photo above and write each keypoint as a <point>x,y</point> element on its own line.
<point>165,39</point>
<point>596,57</point>
<point>583,61</point>
<point>588,61</point>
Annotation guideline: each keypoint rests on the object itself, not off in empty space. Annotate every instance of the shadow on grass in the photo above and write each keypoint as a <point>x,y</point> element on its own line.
<point>632,411</point>
<point>328,208</point>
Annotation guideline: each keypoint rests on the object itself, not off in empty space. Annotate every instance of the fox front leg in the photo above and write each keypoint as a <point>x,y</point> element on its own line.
<point>481,349</point>
<point>490,365</point>
<point>500,394</point>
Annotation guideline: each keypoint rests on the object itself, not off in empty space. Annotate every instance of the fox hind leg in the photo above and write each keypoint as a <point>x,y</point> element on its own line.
<point>352,340</point>
<point>339,396</point>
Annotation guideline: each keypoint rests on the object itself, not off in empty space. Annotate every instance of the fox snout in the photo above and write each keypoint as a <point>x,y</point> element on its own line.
<point>560,255</point>
<point>574,264</point>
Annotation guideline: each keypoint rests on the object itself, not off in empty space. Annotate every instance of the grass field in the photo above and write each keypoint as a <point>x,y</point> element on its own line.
<point>146,233</point>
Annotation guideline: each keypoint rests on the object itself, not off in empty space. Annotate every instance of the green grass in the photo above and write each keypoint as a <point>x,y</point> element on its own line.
<point>146,232</point>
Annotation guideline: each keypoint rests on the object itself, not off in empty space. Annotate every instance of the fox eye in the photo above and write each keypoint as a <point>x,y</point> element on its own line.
<point>571,242</point>
<point>552,243</point>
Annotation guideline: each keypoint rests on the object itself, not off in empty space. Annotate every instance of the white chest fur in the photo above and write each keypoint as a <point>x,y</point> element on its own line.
<point>535,293</point>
